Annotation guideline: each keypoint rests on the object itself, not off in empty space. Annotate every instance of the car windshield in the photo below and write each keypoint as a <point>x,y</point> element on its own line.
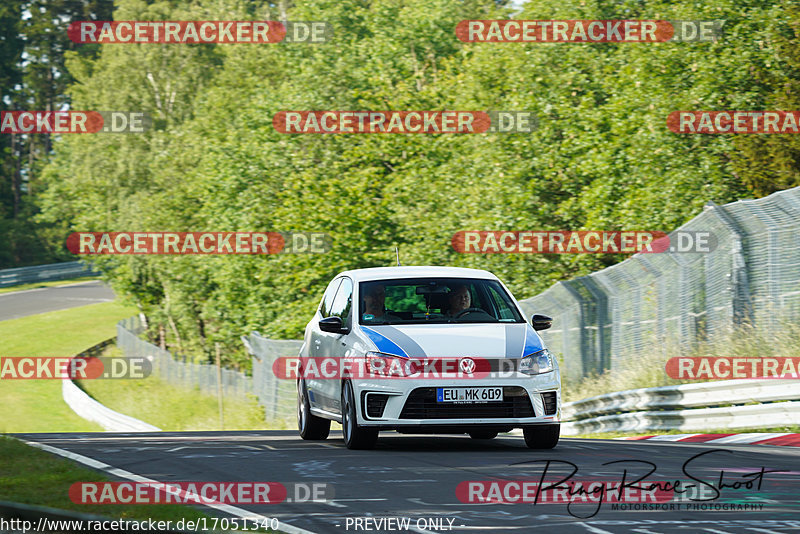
<point>435,300</point>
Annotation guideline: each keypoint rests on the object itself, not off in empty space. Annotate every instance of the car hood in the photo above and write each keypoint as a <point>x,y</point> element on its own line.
<point>455,340</point>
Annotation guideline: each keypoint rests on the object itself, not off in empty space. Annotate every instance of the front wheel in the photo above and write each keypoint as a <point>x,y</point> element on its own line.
<point>542,436</point>
<point>355,436</point>
<point>309,425</point>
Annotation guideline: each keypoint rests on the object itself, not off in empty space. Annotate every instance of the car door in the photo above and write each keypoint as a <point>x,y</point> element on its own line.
<point>334,345</point>
<point>316,339</point>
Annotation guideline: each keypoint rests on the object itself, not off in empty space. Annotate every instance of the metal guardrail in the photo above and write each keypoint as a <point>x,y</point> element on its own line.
<point>730,417</point>
<point>91,410</point>
<point>45,273</point>
<point>710,405</point>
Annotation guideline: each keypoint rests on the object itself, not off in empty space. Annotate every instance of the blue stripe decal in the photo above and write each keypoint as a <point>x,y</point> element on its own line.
<point>533,343</point>
<point>383,343</point>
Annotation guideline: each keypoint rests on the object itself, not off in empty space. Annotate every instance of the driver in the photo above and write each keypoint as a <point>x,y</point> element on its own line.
<point>458,300</point>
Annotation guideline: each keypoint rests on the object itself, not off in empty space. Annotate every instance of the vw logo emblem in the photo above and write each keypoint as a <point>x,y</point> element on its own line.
<point>467,365</point>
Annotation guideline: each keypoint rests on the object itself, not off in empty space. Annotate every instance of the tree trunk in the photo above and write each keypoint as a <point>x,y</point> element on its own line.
<point>17,179</point>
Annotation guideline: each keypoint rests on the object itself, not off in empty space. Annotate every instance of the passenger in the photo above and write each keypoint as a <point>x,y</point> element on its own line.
<point>374,304</point>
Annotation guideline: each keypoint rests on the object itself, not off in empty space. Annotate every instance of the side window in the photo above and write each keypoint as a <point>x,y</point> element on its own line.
<point>502,305</point>
<point>343,301</point>
<point>327,298</point>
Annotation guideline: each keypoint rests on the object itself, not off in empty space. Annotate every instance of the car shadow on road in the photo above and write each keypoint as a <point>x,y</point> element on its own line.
<point>392,441</point>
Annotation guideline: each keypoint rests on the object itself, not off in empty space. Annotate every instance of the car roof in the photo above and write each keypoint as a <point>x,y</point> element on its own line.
<point>387,273</point>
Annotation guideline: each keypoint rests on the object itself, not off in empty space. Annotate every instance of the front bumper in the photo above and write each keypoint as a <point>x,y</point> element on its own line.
<point>410,404</point>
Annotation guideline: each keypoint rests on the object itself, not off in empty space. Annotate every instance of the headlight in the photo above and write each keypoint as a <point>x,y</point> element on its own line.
<point>389,365</point>
<point>537,363</point>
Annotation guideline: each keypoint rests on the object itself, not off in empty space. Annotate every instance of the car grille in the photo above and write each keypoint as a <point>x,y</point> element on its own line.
<point>421,404</point>
<point>549,400</point>
<point>505,365</point>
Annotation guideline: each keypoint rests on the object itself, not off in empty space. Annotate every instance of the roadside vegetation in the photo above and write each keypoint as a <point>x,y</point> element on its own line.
<point>37,405</point>
<point>602,157</point>
<point>172,407</point>
<point>648,370</point>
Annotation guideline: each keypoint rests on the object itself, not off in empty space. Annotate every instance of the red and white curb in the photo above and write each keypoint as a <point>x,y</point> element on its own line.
<point>754,438</point>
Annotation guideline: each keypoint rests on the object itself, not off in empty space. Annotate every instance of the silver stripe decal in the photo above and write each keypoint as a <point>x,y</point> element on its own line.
<point>515,340</point>
<point>411,347</point>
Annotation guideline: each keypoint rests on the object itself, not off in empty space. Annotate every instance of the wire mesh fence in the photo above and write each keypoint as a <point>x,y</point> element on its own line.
<point>175,369</point>
<point>278,396</point>
<point>654,302</point>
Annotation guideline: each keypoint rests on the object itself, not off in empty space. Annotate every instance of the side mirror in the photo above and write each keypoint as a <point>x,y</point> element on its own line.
<point>541,322</point>
<point>332,324</point>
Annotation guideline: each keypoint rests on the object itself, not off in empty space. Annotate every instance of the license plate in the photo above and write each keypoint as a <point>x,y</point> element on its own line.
<point>469,395</point>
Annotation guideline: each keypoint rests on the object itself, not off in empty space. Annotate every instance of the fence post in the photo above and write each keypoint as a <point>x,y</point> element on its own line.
<point>742,305</point>
<point>219,388</point>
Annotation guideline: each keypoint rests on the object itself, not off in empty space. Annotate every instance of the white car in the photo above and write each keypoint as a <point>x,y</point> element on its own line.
<point>426,350</point>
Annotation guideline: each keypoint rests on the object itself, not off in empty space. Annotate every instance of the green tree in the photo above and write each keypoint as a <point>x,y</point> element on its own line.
<point>770,162</point>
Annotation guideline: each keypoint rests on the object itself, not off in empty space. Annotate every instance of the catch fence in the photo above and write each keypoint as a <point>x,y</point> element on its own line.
<point>176,368</point>
<point>660,301</point>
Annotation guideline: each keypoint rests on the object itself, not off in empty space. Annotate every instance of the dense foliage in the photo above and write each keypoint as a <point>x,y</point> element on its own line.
<point>33,42</point>
<point>602,157</point>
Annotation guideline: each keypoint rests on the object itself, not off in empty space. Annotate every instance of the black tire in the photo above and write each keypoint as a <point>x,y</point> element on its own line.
<point>542,436</point>
<point>355,436</point>
<point>309,425</point>
<point>482,434</point>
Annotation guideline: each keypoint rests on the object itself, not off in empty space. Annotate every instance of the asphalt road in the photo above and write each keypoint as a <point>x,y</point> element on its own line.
<point>32,301</point>
<point>416,477</point>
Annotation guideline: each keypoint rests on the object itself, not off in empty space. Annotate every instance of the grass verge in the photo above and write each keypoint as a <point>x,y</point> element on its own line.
<point>647,370</point>
<point>171,407</point>
<point>39,478</point>
<point>36,405</point>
